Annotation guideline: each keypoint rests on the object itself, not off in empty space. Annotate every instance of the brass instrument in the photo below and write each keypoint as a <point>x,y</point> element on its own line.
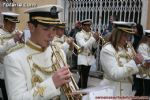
<point>131,47</point>
<point>4,37</point>
<point>143,71</point>
<point>78,48</point>
<point>102,42</point>
<point>70,87</point>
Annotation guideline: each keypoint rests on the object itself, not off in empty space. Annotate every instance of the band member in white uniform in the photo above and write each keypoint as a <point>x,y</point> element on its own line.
<point>86,40</point>
<point>142,86</point>
<point>8,38</point>
<point>61,40</point>
<point>28,70</point>
<point>119,61</point>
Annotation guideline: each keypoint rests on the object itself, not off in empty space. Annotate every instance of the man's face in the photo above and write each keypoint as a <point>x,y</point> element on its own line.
<point>60,32</point>
<point>9,26</point>
<point>87,27</point>
<point>42,35</point>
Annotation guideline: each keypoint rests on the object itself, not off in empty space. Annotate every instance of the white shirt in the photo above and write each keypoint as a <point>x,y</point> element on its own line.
<point>86,41</point>
<point>6,42</point>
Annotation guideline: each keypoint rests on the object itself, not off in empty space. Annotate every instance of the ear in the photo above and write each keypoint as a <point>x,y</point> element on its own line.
<point>31,27</point>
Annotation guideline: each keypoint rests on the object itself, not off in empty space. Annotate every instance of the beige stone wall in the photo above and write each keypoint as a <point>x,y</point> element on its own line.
<point>24,17</point>
<point>148,17</point>
<point>2,9</point>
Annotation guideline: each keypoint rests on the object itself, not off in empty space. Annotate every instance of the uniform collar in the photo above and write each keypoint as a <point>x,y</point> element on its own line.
<point>34,46</point>
<point>59,39</point>
<point>88,33</point>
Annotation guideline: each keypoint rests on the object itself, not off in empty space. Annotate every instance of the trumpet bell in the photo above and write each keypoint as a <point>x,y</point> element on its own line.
<point>79,49</point>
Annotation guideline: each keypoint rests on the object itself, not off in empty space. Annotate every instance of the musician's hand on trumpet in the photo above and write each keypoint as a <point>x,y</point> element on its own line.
<point>99,38</point>
<point>96,35</point>
<point>18,36</point>
<point>138,58</point>
<point>73,45</point>
<point>61,76</point>
<point>70,41</point>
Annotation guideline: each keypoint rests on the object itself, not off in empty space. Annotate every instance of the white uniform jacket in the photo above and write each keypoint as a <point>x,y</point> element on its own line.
<point>61,43</point>
<point>86,41</point>
<point>144,50</point>
<point>28,73</point>
<point>6,42</point>
<point>118,69</point>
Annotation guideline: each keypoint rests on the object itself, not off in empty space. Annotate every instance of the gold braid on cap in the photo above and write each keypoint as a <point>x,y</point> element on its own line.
<point>43,21</point>
<point>46,19</point>
<point>128,30</point>
<point>61,26</point>
<point>12,20</point>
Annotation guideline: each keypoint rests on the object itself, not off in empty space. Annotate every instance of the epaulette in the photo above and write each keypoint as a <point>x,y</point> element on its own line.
<point>16,47</point>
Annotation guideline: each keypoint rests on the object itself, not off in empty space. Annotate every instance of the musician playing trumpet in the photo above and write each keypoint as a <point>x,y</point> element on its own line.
<point>142,81</point>
<point>87,40</point>
<point>8,38</point>
<point>8,34</point>
<point>28,69</point>
<point>119,60</point>
<point>61,40</point>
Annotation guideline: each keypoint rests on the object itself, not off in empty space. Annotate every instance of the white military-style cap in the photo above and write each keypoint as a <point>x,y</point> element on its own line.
<point>46,15</point>
<point>125,26</point>
<point>86,22</point>
<point>11,16</point>
<point>147,33</point>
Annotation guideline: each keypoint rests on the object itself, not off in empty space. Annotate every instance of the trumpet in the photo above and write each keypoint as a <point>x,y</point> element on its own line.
<point>102,41</point>
<point>70,87</point>
<point>131,47</point>
<point>78,48</point>
<point>144,72</point>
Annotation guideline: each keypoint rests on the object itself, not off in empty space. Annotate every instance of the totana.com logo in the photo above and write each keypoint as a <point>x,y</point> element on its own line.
<point>7,3</point>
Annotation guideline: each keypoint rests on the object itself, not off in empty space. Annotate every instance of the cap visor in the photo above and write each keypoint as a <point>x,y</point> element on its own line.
<point>14,21</point>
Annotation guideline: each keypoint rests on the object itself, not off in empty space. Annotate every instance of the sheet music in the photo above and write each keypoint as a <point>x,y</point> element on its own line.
<point>98,92</point>
<point>88,90</point>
